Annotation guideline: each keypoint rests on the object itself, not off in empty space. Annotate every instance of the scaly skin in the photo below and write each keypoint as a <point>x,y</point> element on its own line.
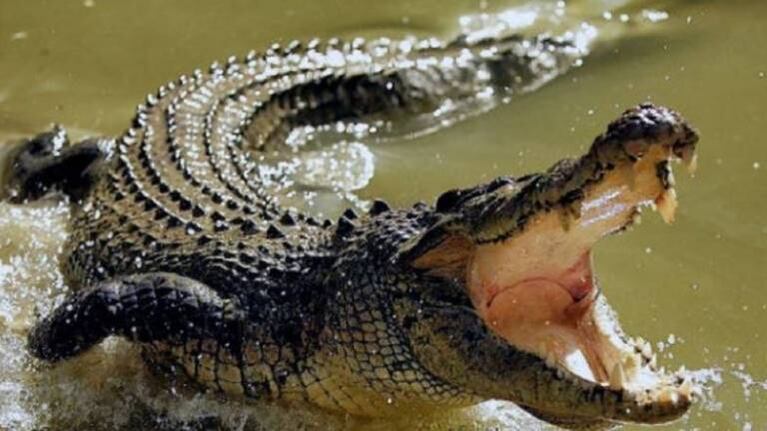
<point>176,243</point>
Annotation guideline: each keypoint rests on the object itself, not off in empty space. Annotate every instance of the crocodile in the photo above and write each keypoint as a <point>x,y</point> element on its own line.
<point>177,244</point>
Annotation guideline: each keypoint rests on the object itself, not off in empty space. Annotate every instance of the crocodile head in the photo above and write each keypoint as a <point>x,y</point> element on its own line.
<point>521,249</point>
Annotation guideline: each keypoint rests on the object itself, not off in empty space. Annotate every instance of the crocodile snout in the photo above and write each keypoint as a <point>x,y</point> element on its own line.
<point>648,121</point>
<point>638,130</point>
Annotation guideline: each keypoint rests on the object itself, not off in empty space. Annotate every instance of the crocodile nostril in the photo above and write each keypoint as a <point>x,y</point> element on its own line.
<point>647,121</point>
<point>37,148</point>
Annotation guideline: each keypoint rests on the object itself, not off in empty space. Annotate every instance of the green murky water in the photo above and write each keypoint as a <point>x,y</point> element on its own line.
<point>698,288</point>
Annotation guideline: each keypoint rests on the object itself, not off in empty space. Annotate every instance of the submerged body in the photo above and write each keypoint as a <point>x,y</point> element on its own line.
<point>176,243</point>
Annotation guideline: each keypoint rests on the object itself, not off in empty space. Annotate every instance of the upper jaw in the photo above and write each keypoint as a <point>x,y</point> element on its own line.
<point>642,137</point>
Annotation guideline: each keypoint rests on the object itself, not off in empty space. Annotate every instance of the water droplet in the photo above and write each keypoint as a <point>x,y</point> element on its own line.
<point>624,17</point>
<point>756,165</point>
<point>389,400</point>
<point>689,19</point>
<point>654,15</point>
<point>761,74</point>
<point>607,15</point>
<point>648,250</point>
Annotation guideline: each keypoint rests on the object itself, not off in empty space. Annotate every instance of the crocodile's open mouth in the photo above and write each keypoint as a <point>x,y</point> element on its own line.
<point>538,291</point>
<point>522,248</point>
<point>537,288</point>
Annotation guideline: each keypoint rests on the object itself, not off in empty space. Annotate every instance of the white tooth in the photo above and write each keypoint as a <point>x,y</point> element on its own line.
<point>640,342</point>
<point>617,376</point>
<point>670,178</point>
<point>576,363</point>
<point>667,204</point>
<point>654,361</point>
<point>646,349</point>
<point>690,160</point>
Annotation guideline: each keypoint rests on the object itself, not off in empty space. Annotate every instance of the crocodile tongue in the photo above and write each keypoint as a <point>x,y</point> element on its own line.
<point>537,289</point>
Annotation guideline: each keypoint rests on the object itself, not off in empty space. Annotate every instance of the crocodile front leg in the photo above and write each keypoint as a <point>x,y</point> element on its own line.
<point>154,307</point>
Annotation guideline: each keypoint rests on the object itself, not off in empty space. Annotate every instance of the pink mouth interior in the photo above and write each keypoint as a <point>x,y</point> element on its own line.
<point>537,289</point>
<point>576,281</point>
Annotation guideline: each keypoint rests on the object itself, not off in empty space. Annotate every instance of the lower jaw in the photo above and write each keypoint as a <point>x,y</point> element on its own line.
<point>588,343</point>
